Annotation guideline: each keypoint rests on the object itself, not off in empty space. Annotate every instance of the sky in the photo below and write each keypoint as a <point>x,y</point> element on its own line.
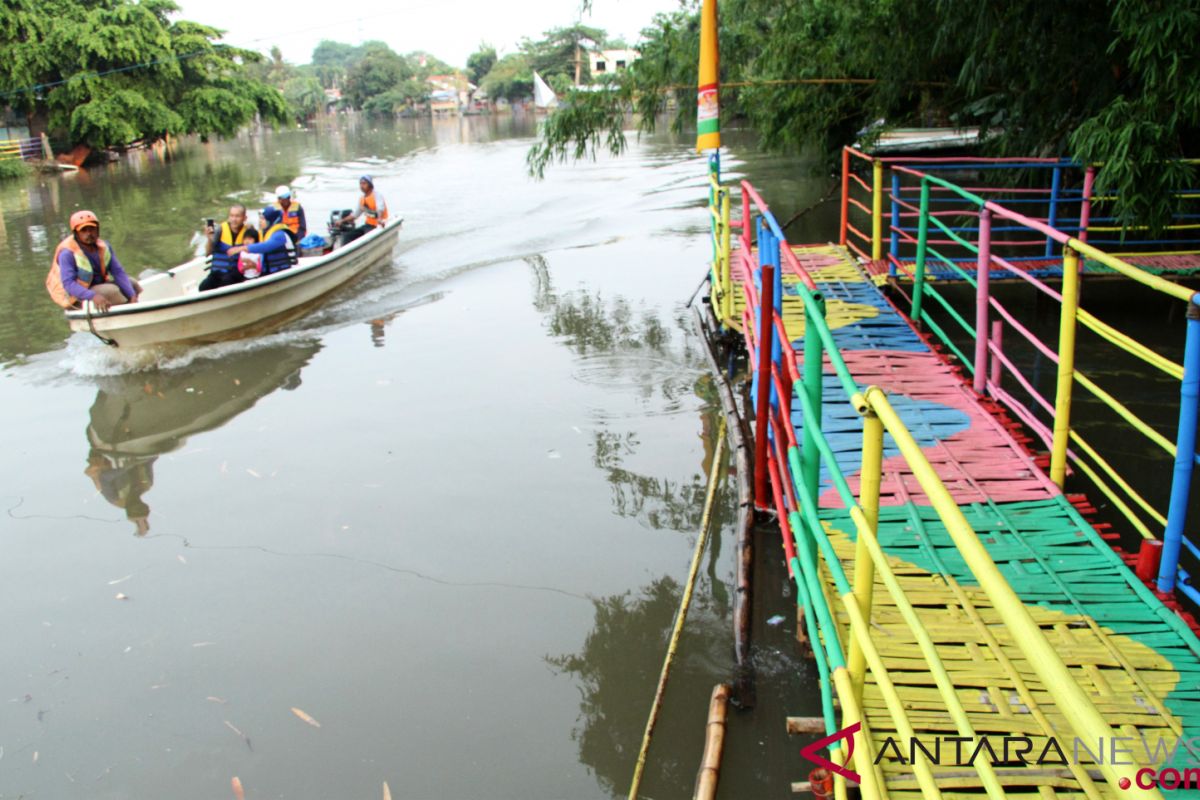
<point>448,29</point>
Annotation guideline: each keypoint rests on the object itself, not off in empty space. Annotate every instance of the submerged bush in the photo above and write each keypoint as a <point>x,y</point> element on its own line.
<point>13,168</point>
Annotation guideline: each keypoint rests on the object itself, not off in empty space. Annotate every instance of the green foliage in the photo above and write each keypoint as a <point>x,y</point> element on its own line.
<point>510,78</point>
<point>406,94</point>
<point>304,94</point>
<point>556,53</point>
<point>13,168</point>
<point>480,63</point>
<point>378,71</point>
<point>423,65</point>
<point>331,60</point>
<point>110,72</point>
<point>1115,83</point>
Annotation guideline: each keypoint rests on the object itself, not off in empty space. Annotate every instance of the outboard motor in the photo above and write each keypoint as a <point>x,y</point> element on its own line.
<point>339,227</point>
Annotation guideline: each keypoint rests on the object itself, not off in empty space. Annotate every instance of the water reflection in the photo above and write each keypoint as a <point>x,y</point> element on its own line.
<point>137,417</point>
<point>617,669</point>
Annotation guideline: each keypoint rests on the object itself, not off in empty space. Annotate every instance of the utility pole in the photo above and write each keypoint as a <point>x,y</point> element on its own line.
<point>577,61</point>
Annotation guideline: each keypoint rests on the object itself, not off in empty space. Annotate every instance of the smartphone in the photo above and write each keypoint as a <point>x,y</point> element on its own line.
<point>211,223</point>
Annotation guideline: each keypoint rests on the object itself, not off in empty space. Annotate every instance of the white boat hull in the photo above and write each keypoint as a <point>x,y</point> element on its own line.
<point>171,308</point>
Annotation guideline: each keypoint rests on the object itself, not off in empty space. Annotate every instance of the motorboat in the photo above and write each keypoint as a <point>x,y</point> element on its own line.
<point>172,309</point>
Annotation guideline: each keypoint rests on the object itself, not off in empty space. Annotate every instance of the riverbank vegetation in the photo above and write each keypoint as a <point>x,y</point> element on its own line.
<point>1113,83</point>
<point>107,73</point>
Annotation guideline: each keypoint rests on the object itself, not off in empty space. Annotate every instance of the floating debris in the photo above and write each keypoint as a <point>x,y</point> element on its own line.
<point>777,619</point>
<point>304,716</point>
<point>245,738</point>
<point>121,596</point>
<point>119,580</point>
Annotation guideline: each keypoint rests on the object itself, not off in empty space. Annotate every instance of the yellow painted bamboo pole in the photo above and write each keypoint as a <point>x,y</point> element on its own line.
<point>1130,271</point>
<point>1071,701</point>
<point>727,299</point>
<point>871,786</point>
<point>861,631</point>
<point>1066,367</point>
<point>1122,411</point>
<point>945,684</point>
<point>876,210</point>
<point>1111,493</point>
<point>714,475</point>
<point>1130,345</point>
<point>864,571</point>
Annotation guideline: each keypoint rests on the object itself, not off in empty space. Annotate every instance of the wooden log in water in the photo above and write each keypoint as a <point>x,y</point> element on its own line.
<point>714,743</point>
<point>805,725</point>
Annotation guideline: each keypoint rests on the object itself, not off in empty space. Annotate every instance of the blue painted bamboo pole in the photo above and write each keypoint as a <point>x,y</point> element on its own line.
<point>1052,216</point>
<point>761,231</point>
<point>1185,451</point>
<point>777,262</point>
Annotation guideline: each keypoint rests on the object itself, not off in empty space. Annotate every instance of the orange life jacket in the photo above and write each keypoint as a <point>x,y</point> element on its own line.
<point>291,217</point>
<point>83,270</point>
<point>374,215</point>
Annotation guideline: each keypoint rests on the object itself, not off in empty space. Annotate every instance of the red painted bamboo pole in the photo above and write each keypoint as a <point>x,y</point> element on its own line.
<point>766,329</point>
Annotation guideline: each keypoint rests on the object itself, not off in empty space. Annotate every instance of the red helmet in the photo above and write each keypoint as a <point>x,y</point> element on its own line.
<point>81,219</point>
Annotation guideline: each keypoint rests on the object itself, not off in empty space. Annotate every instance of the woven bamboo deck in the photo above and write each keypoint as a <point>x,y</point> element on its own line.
<point>1142,673</point>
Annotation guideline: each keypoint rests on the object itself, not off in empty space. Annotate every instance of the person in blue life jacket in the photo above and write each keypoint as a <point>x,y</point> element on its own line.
<point>231,233</point>
<point>278,246</point>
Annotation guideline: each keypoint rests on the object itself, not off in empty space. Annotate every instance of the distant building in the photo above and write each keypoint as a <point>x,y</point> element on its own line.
<point>449,94</point>
<point>607,62</point>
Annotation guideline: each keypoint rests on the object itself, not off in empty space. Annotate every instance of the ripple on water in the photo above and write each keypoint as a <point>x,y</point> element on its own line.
<point>659,385</point>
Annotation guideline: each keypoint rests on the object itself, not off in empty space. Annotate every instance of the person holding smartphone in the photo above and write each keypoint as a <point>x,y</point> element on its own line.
<point>232,233</point>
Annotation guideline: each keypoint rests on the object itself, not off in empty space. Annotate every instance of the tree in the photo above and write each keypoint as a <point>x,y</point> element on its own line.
<point>1100,82</point>
<point>304,95</point>
<point>424,64</point>
<point>480,63</point>
<point>404,95</point>
<point>332,60</point>
<point>511,78</point>
<point>563,51</point>
<point>378,71</point>
<point>110,72</point>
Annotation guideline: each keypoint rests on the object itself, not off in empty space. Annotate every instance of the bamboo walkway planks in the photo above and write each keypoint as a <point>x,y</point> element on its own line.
<point>1139,670</point>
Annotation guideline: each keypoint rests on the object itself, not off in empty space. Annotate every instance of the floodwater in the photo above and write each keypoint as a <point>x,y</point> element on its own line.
<point>447,515</point>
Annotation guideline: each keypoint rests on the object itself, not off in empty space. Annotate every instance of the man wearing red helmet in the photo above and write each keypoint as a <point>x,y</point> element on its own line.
<point>85,268</point>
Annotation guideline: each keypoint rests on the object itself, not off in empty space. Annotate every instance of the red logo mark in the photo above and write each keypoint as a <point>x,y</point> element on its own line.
<point>811,752</point>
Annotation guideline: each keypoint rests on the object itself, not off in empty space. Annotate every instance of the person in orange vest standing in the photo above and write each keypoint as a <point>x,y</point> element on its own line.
<point>371,206</point>
<point>292,212</point>
<point>84,268</point>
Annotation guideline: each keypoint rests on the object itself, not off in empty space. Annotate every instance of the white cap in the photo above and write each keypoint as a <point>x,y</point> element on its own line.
<point>282,192</point>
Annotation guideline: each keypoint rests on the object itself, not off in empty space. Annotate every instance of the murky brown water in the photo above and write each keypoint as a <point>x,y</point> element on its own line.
<point>447,514</point>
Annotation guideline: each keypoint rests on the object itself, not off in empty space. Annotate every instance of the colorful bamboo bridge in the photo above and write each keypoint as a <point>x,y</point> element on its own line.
<point>975,632</point>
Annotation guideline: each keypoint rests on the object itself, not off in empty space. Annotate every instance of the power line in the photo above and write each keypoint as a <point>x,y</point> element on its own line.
<point>128,68</point>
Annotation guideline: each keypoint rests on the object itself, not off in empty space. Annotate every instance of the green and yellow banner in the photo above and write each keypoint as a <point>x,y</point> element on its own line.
<point>708,117</point>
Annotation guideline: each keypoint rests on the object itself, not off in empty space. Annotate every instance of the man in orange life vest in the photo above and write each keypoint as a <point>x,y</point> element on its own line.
<point>293,213</point>
<point>85,268</point>
<point>371,205</point>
